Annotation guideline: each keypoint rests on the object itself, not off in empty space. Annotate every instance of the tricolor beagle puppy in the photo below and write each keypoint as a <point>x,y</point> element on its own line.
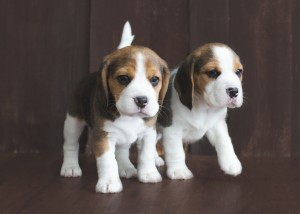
<point>120,103</point>
<point>200,91</point>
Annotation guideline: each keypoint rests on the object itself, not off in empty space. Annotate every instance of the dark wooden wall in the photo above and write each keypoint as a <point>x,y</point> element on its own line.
<point>47,46</point>
<point>44,52</point>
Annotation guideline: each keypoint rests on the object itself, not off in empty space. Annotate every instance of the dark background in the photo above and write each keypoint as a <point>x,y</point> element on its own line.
<point>47,46</point>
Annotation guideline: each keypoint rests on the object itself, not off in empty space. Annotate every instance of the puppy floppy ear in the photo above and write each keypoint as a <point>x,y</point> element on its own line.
<point>184,82</point>
<point>103,81</point>
<point>104,99</point>
<point>165,81</point>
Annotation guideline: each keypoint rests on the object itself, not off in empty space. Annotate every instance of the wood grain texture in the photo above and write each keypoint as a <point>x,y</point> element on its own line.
<point>295,66</point>
<point>159,25</point>
<point>267,185</point>
<point>263,127</point>
<point>47,46</point>
<point>44,52</point>
<point>209,22</point>
<point>263,34</point>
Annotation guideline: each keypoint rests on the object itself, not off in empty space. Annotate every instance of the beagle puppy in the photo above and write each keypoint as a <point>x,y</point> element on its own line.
<point>207,83</point>
<point>120,103</point>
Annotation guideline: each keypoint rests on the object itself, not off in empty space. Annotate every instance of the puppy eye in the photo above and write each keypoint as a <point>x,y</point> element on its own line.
<point>154,81</point>
<point>123,79</point>
<point>239,72</point>
<point>213,74</point>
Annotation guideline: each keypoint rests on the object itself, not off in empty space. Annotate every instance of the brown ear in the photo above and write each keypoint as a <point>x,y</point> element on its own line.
<point>184,82</point>
<point>102,82</point>
<point>104,99</point>
<point>165,81</point>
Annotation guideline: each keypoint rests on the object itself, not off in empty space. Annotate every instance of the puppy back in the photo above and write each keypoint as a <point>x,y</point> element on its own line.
<point>82,98</point>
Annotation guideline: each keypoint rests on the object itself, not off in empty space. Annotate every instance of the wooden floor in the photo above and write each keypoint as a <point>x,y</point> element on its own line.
<point>31,184</point>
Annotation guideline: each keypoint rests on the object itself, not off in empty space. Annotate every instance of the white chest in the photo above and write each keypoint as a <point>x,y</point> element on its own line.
<point>193,124</point>
<point>197,126</point>
<point>125,129</point>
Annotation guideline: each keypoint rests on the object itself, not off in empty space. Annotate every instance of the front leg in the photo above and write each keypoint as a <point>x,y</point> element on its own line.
<point>147,171</point>
<point>220,139</point>
<point>174,155</point>
<point>108,176</point>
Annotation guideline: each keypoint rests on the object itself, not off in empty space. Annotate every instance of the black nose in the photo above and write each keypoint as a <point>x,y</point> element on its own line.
<point>141,101</point>
<point>232,92</point>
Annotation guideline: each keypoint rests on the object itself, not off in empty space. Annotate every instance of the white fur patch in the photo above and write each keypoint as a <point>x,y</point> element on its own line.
<point>127,36</point>
<point>225,58</point>
<point>125,129</point>
<point>140,67</point>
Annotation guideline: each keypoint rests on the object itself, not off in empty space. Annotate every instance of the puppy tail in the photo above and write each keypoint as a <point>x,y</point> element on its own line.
<point>127,36</point>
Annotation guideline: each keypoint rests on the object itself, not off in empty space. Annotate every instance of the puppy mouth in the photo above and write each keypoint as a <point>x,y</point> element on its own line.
<point>143,113</point>
<point>140,113</point>
<point>232,103</point>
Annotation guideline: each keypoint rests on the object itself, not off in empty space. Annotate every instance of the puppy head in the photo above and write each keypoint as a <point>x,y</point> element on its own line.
<point>213,73</point>
<point>135,80</point>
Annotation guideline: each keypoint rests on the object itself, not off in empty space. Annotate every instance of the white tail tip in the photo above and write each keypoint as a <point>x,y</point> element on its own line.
<point>127,36</point>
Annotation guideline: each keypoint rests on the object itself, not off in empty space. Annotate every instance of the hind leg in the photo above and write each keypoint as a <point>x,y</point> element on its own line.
<point>125,167</point>
<point>158,160</point>
<point>72,130</point>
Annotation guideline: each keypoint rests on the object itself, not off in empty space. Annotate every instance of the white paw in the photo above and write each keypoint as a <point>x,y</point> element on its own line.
<point>230,165</point>
<point>129,172</point>
<point>179,173</point>
<point>149,176</point>
<point>159,161</point>
<point>70,170</point>
<point>109,185</point>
